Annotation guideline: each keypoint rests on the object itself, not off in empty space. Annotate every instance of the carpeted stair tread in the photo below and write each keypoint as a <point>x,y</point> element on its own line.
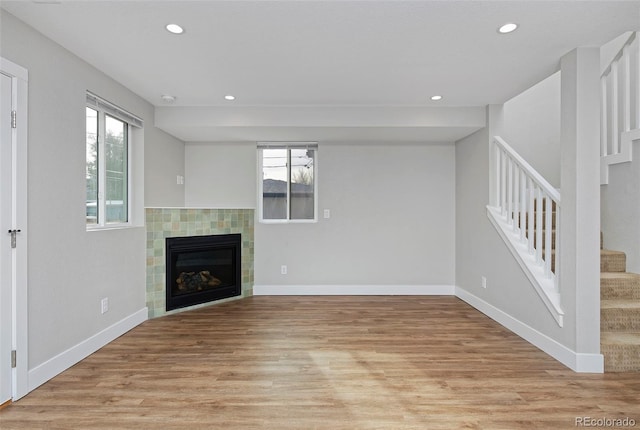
<point>612,261</point>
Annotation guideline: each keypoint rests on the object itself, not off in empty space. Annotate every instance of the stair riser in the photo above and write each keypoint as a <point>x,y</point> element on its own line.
<point>620,320</point>
<point>619,289</point>
<point>621,358</point>
<point>613,262</point>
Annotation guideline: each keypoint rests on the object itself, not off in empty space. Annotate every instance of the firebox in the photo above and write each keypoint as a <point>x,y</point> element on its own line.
<point>202,269</point>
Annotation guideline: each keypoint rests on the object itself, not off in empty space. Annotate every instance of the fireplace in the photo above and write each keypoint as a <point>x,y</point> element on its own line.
<point>201,269</point>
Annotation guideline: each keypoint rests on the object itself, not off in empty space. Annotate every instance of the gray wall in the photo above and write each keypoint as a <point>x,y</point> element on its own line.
<point>481,252</point>
<point>164,161</point>
<point>221,175</point>
<point>620,209</point>
<point>532,127</point>
<point>70,269</point>
<point>392,214</point>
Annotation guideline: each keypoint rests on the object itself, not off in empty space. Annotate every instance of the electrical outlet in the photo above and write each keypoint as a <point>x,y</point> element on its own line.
<point>104,305</point>
<point>283,270</point>
<point>327,213</point>
<point>484,282</point>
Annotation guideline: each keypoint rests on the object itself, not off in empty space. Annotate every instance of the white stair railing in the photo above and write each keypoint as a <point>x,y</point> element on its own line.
<point>620,106</point>
<point>526,212</point>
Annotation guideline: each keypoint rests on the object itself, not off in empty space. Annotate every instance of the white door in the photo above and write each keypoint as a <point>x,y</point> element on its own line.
<point>13,244</point>
<point>6,224</point>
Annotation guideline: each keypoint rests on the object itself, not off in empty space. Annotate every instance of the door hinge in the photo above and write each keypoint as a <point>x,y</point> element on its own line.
<point>13,237</point>
<point>13,118</point>
<point>13,359</point>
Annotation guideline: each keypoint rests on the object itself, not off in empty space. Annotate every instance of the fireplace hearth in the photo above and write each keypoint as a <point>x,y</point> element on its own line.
<point>201,269</point>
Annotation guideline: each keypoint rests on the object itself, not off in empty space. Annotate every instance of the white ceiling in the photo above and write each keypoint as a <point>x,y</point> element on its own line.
<point>287,54</point>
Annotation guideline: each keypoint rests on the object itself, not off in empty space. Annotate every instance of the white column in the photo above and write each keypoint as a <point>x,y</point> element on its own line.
<point>580,215</point>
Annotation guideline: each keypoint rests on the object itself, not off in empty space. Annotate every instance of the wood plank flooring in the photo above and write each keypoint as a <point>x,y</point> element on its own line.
<point>323,363</point>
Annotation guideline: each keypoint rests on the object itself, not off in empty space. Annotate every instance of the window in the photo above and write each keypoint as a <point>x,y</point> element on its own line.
<point>107,169</point>
<point>288,185</point>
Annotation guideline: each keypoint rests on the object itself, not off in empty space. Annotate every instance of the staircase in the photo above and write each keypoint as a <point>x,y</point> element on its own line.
<point>619,290</point>
<point>619,313</point>
<point>518,193</point>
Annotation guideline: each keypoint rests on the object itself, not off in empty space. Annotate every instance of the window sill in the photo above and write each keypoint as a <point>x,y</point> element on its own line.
<point>288,221</point>
<point>112,227</point>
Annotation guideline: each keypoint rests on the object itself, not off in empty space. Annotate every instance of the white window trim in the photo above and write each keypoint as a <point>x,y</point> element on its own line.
<point>288,145</point>
<point>104,107</point>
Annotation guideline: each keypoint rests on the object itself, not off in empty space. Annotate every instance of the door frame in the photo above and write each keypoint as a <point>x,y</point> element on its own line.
<point>19,80</point>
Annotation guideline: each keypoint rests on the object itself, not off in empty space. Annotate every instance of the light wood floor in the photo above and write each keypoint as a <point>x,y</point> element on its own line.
<point>323,363</point>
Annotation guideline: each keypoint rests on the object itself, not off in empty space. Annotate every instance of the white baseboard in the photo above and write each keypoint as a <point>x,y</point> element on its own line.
<point>61,362</point>
<point>578,362</point>
<point>353,290</point>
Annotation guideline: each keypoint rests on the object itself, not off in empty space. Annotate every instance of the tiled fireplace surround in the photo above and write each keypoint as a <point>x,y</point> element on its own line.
<point>178,222</point>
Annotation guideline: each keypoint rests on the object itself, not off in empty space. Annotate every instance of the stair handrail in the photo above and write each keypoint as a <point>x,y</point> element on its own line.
<point>530,171</point>
<point>525,209</point>
<point>617,57</point>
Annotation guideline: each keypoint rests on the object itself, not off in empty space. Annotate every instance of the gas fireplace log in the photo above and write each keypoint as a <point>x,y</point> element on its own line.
<point>192,281</point>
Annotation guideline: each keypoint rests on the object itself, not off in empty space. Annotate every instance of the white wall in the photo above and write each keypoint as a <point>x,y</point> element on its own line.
<point>392,213</point>
<point>70,269</point>
<point>532,127</point>
<point>221,175</point>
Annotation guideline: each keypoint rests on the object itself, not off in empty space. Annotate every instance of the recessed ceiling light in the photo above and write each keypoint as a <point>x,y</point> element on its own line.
<point>174,28</point>
<point>436,98</point>
<point>507,28</point>
<point>229,97</point>
<point>167,98</point>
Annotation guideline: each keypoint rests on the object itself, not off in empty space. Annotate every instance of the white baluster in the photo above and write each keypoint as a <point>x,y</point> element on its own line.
<point>503,183</point>
<point>615,143</point>
<point>626,89</point>
<point>516,196</point>
<point>510,191</point>
<point>523,206</point>
<point>557,271</point>
<point>497,152</point>
<point>538,225</point>
<point>530,215</point>
<point>547,230</point>
<point>603,112</point>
